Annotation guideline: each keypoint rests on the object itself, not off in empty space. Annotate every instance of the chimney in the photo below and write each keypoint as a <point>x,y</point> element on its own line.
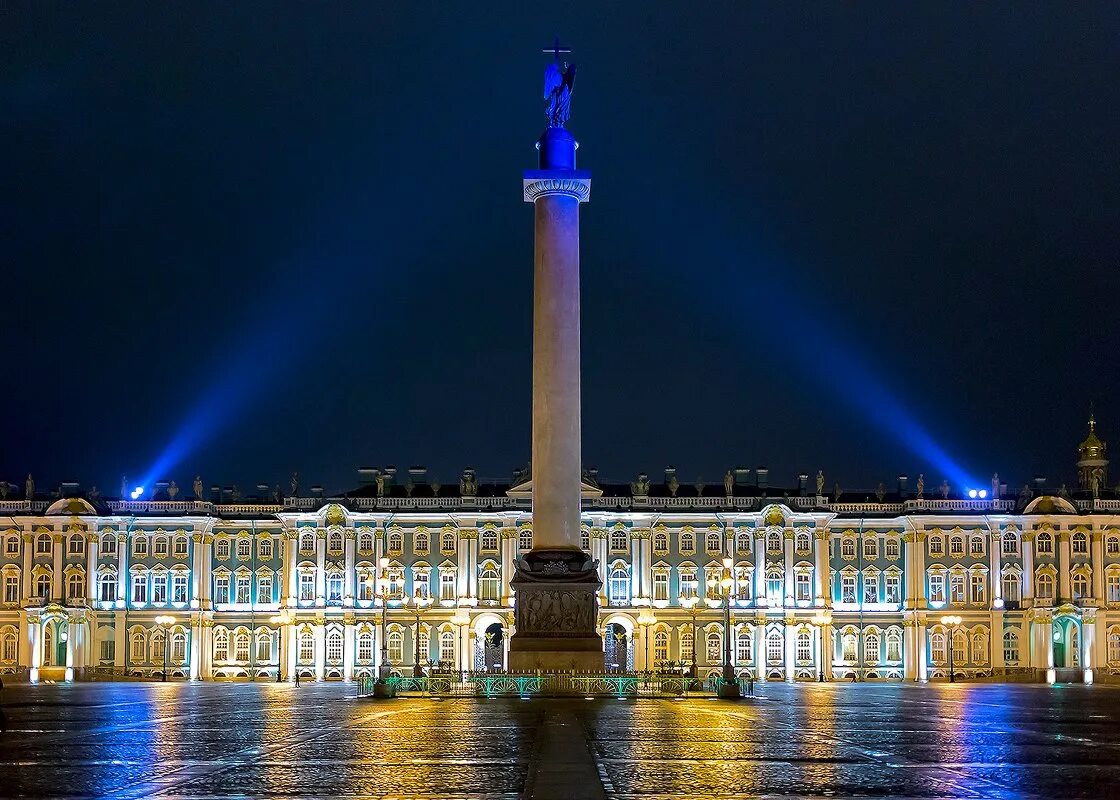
<point>902,479</point>
<point>763,477</point>
<point>69,489</point>
<point>317,491</point>
<point>593,473</point>
<point>802,481</point>
<point>262,491</point>
<point>742,476</point>
<point>216,493</point>
<point>418,474</point>
<point>367,476</point>
<point>160,490</point>
<point>670,471</point>
<point>1039,482</point>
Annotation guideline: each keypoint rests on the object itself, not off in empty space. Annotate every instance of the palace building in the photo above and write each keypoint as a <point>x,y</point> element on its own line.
<point>793,584</point>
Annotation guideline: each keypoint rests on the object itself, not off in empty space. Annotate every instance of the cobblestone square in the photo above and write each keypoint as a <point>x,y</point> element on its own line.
<point>136,740</point>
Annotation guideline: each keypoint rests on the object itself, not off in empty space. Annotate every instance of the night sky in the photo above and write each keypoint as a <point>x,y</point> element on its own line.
<point>245,239</point>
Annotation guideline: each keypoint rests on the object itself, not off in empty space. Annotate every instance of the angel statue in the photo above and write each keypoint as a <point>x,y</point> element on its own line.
<point>558,84</point>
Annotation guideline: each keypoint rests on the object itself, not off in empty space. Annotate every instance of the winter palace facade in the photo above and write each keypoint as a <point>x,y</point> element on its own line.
<point>890,586</point>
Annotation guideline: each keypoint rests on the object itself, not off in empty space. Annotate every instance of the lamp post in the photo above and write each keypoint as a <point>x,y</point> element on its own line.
<point>279,620</point>
<point>821,619</point>
<point>165,622</point>
<point>952,622</point>
<point>645,619</point>
<point>689,603</point>
<point>417,604</point>
<point>382,594</point>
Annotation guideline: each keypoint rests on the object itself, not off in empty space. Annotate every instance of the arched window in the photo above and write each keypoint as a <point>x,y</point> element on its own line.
<point>660,647</point>
<point>307,542</point>
<point>871,648</point>
<point>744,647</point>
<point>618,540</point>
<point>241,645</point>
<point>1044,586</point>
<point>488,540</point>
<point>804,647</point>
<point>43,544</point>
<point>937,652</point>
<point>687,542</point>
<point>334,646</point>
<point>775,587</point>
<point>159,547</point>
<point>584,539</point>
<point>394,642</point>
<point>447,542</point>
<point>139,646</point>
<point>489,584</point>
<point>395,542</point>
<point>956,546</point>
<point>1080,585</point>
<point>264,645</point>
<point>960,647</point>
<point>525,539</point>
<point>178,647</point>
<point>306,647</point>
<point>9,647</point>
<point>1074,646</point>
<point>182,545</point>
<point>77,544</point>
<point>661,542</point>
<point>108,544</point>
<point>743,542</point>
<point>1114,648</point>
<point>76,585</point>
<point>1010,545</point>
<point>686,646</point>
<point>803,543</point>
<point>221,645</point>
<point>773,542</point>
<point>714,647</point>
<point>687,580</point>
<point>365,542</point>
<point>43,585</point>
<point>221,549</point>
<point>1045,544</point>
<point>713,542</point>
<point>365,646</point>
<point>891,549</point>
<point>1012,587</point>
<point>420,542</point>
<point>848,547</point>
<point>155,646</point>
<point>1079,544</point>
<point>894,646</point>
<point>1010,647</point>
<point>335,541</point>
<point>107,587</point>
<point>775,648</point>
<point>618,586</point>
<point>447,646</point>
<point>1112,545</point>
<point>979,653</point>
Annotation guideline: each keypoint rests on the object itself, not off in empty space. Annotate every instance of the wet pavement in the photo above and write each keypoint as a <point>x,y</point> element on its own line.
<point>135,740</point>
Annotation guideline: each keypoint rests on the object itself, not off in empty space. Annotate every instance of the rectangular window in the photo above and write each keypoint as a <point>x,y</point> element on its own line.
<point>244,548</point>
<point>937,588</point>
<point>804,648</point>
<point>139,588</point>
<point>108,649</point>
<point>661,586</point>
<point>1113,581</point>
<point>264,589</point>
<point>306,586</point>
<point>11,588</point>
<point>1010,544</point>
<point>159,590</point>
<point>243,583</point>
<point>11,546</point>
<point>870,588</point>
<point>979,588</point>
<point>181,546</point>
<point>774,646</point>
<point>334,588</point>
<point>801,582</point>
<point>221,589</point>
<point>847,588</point>
<point>870,549</point>
<point>159,549</point>
<point>894,588</point>
<point>264,549</point>
<point>178,588</point>
<point>956,588</point>
<point>447,586</point>
<point>140,546</point>
<point>264,648</point>
<point>894,648</point>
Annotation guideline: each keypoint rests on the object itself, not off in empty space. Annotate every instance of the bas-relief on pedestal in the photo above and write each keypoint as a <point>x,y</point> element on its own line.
<point>556,611</point>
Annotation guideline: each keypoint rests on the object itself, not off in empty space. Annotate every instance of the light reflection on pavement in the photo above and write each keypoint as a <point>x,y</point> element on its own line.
<point>137,740</point>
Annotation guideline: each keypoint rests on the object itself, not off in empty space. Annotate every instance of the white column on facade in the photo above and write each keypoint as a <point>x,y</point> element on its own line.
<point>93,551</point>
<point>291,574</point>
<point>760,567</point>
<point>196,571</point>
<point>57,595</point>
<point>995,641</point>
<point>791,648</point>
<point>194,655</point>
<point>320,571</point>
<point>28,582</point>
<point>910,650</point>
<point>72,642</point>
<point>823,591</point>
<point>994,556</point>
<point>828,645</point>
<point>1097,552</point>
<point>1064,594</point>
<point>471,542</point>
<point>290,634</point>
<point>120,640</point>
<point>787,548</point>
<point>34,651</point>
<point>759,648</point>
<point>348,576</point>
<point>635,567</point>
<point>348,649</point>
<point>122,568</point>
<point>320,650</point>
<point>921,639</point>
<point>505,542</point>
<point>1028,567</point>
<point>599,547</point>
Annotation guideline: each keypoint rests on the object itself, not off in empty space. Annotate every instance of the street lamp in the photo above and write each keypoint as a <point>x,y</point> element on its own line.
<point>645,619</point>
<point>952,621</point>
<point>383,595</point>
<point>418,604</point>
<point>165,622</point>
<point>729,686</point>
<point>689,603</point>
<point>821,619</point>
<point>280,620</point>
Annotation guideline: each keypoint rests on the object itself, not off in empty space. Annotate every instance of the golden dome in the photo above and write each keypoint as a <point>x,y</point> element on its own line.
<point>1092,447</point>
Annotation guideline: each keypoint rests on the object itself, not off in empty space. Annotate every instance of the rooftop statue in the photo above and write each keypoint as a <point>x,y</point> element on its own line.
<point>559,80</point>
<point>198,487</point>
<point>29,487</point>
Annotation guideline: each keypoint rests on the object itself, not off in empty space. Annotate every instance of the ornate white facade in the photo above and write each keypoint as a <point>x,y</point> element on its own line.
<point>820,587</point>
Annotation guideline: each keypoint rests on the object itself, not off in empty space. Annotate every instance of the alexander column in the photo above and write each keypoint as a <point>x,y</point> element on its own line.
<point>556,583</point>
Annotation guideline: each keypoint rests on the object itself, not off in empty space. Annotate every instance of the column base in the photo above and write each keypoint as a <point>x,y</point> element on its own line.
<point>557,609</point>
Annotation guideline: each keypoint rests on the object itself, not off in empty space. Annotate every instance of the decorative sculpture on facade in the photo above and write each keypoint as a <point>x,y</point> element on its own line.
<point>295,484</point>
<point>468,483</point>
<point>921,486</point>
<point>640,487</point>
<point>728,483</point>
<point>820,483</point>
<point>559,81</point>
<point>124,487</point>
<point>198,490</point>
<point>880,492</point>
<point>995,486</point>
<point>172,490</point>
<point>674,486</point>
<point>29,487</point>
<point>944,489</point>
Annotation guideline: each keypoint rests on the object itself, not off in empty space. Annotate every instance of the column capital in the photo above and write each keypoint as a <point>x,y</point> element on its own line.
<point>572,183</point>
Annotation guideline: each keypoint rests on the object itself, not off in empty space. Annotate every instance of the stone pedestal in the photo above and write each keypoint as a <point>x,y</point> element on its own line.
<point>557,610</point>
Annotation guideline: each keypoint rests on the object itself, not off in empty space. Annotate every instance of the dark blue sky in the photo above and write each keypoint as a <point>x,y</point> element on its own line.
<point>246,239</point>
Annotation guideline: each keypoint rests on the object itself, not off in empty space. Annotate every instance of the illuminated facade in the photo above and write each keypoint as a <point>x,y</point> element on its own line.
<point>820,587</point>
